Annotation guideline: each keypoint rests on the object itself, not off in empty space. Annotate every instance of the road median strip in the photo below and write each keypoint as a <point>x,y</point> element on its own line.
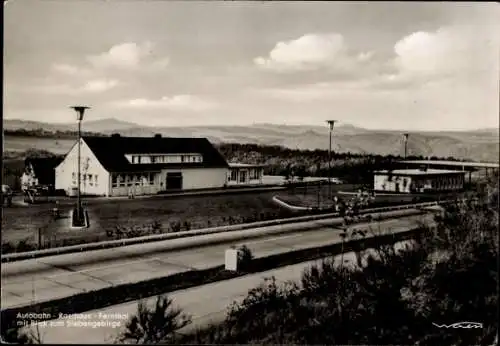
<point>123,293</point>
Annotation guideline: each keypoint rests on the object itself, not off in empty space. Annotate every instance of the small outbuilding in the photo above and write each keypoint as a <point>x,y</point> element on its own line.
<point>40,172</point>
<point>241,174</point>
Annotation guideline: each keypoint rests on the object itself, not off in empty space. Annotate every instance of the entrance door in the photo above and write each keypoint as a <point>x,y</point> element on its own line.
<point>174,181</point>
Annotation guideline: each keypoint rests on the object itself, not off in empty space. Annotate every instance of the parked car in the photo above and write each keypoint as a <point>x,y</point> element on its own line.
<point>7,194</point>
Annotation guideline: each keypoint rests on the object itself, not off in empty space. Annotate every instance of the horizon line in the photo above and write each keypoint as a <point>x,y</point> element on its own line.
<point>340,124</point>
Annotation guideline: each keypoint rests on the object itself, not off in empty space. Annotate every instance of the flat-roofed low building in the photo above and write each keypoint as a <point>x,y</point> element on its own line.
<point>418,180</point>
<point>244,174</point>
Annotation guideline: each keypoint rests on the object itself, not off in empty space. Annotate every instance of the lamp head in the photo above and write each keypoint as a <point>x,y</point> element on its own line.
<point>331,123</point>
<point>80,110</point>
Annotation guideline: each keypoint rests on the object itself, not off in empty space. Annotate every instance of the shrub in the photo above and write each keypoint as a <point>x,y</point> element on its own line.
<point>25,245</point>
<point>152,325</point>
<point>447,274</point>
<point>245,256</point>
<point>7,247</point>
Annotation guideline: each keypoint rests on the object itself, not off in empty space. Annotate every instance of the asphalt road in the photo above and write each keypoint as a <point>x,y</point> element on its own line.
<point>205,304</point>
<point>42,279</point>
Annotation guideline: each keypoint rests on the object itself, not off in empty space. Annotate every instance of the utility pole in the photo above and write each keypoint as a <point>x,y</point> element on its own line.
<point>80,110</point>
<point>331,123</point>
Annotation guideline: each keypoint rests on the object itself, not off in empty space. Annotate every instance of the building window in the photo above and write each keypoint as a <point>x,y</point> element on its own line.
<point>91,181</point>
<point>254,173</point>
<point>114,180</point>
<point>194,158</point>
<point>95,180</point>
<point>234,175</point>
<point>133,159</point>
<point>138,159</point>
<point>121,180</point>
<point>243,176</point>
<point>151,179</point>
<point>153,159</point>
<point>73,175</point>
<point>182,158</point>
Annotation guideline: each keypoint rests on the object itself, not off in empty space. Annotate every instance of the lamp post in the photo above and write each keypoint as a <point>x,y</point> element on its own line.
<point>405,138</point>
<point>331,123</point>
<point>80,110</point>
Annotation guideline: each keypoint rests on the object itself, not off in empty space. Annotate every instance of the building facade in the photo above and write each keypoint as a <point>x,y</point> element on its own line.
<point>121,166</point>
<point>241,174</point>
<point>418,181</point>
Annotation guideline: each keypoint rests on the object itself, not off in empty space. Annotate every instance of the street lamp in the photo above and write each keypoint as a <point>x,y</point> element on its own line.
<point>405,138</point>
<point>331,123</point>
<point>80,110</point>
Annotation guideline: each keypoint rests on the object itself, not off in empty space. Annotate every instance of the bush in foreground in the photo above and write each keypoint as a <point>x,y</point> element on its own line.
<point>155,325</point>
<point>447,275</point>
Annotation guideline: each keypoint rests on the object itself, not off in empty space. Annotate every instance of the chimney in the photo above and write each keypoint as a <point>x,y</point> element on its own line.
<point>115,135</point>
<point>158,135</point>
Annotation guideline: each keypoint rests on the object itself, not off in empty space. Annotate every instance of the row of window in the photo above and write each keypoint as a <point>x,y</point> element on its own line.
<point>446,183</point>
<point>440,183</point>
<point>166,159</point>
<point>253,174</point>
<point>90,179</point>
<point>145,179</point>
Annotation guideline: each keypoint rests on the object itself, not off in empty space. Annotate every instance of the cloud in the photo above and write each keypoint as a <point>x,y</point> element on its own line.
<point>99,85</point>
<point>124,55</point>
<point>66,69</point>
<point>311,52</point>
<point>93,86</point>
<point>453,50</point>
<point>315,91</point>
<point>177,102</point>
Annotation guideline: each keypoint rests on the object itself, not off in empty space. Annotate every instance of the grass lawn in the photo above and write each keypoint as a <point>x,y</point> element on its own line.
<point>173,213</point>
<point>308,197</point>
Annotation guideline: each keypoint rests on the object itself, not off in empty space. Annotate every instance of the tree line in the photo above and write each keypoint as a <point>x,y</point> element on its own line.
<point>39,132</point>
<point>350,167</point>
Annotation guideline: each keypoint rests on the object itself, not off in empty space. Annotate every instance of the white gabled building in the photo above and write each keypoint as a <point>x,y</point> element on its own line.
<point>119,166</point>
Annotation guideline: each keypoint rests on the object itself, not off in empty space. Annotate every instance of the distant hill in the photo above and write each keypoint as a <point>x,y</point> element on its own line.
<point>480,145</point>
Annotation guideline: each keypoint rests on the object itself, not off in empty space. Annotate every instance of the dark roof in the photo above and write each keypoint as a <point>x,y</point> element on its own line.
<point>111,151</point>
<point>43,168</point>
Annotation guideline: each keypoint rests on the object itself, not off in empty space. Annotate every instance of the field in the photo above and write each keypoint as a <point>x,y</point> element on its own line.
<point>20,144</point>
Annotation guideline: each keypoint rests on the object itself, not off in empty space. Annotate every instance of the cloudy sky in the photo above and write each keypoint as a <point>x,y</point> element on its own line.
<point>165,63</point>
